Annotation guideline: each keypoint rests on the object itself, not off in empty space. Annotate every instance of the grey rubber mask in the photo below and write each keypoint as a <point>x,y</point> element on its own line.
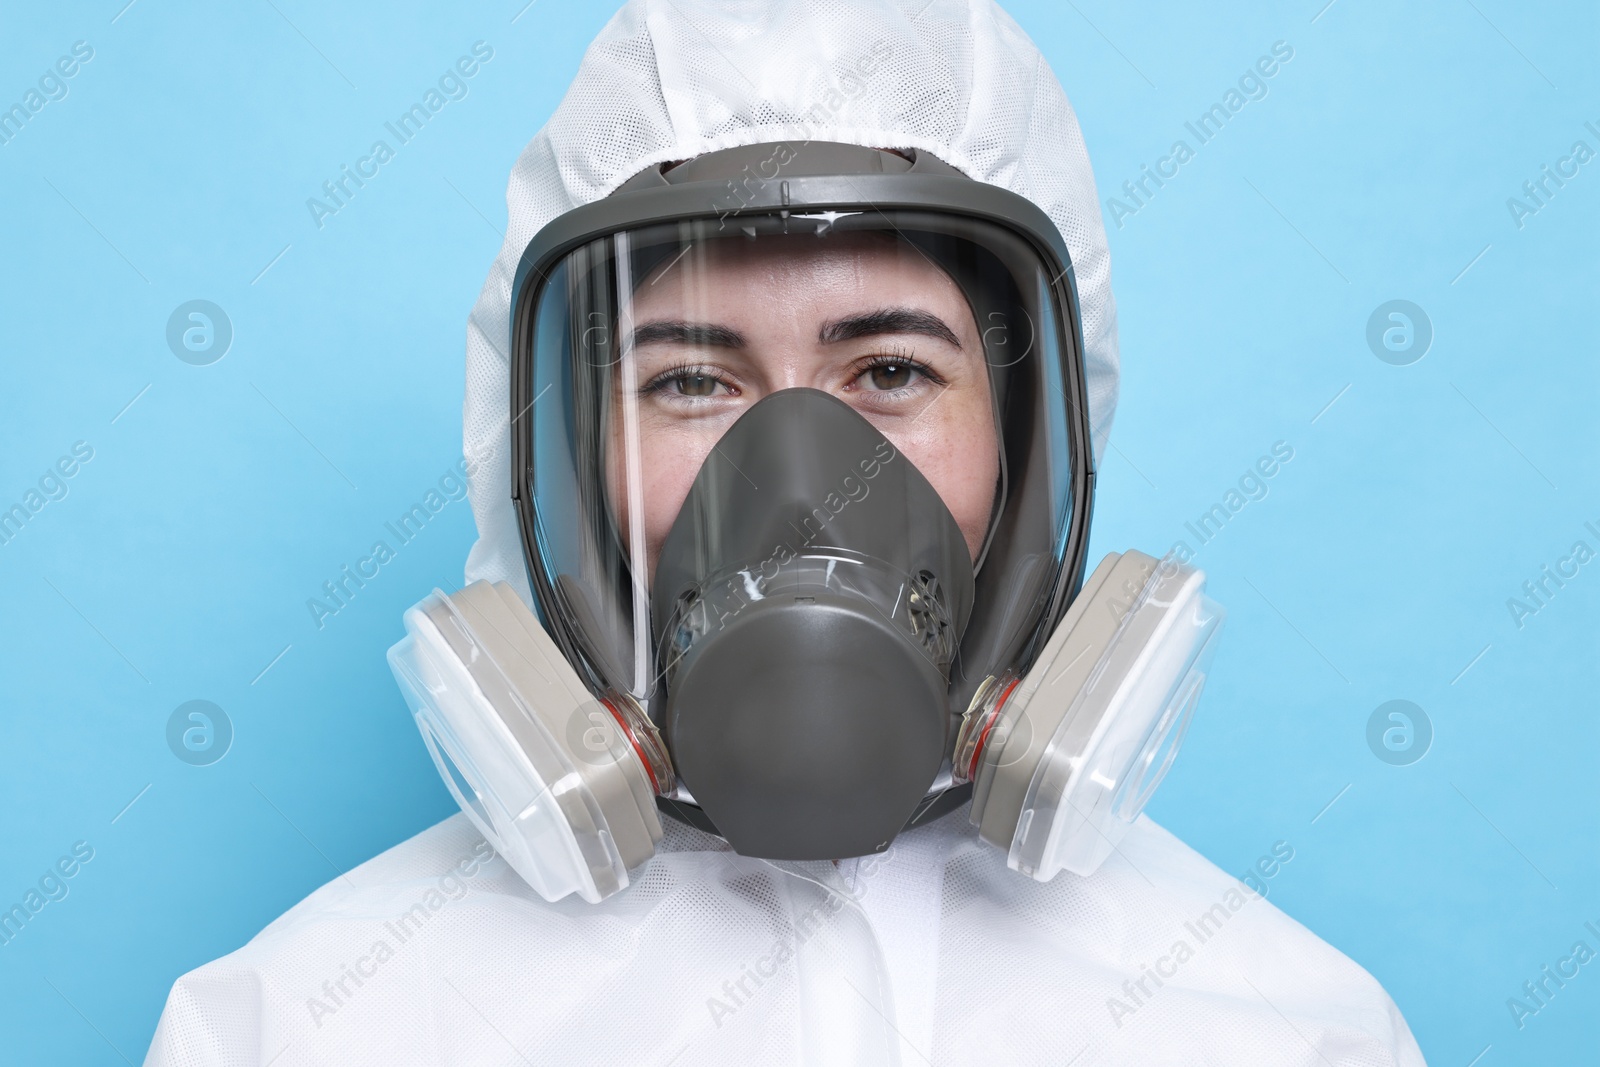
<point>808,605</point>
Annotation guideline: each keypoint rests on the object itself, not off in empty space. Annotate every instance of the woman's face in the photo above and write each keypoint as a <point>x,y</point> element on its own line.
<point>868,319</point>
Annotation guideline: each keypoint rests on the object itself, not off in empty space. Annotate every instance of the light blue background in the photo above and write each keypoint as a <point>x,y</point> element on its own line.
<point>178,566</point>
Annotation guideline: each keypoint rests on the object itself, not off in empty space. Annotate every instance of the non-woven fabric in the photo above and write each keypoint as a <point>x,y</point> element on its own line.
<point>673,79</point>
<point>934,953</point>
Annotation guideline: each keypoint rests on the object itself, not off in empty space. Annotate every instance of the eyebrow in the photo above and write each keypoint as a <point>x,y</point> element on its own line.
<point>888,320</point>
<point>687,333</point>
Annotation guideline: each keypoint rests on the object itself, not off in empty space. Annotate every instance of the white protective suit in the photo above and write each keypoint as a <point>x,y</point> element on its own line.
<point>435,952</point>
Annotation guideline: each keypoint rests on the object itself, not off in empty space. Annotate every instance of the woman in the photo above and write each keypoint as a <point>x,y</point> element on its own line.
<point>783,401</point>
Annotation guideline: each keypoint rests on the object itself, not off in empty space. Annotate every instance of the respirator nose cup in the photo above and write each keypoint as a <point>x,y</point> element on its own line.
<point>807,605</point>
<point>812,724</point>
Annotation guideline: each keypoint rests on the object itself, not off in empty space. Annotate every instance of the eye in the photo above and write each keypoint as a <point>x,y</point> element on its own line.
<point>891,375</point>
<point>892,372</point>
<point>693,385</point>
<point>688,382</point>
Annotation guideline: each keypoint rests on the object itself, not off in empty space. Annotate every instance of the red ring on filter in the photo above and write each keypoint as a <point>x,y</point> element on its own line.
<point>989,704</point>
<point>645,739</point>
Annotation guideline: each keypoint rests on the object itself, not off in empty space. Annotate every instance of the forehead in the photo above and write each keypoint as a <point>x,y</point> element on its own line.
<point>794,267</point>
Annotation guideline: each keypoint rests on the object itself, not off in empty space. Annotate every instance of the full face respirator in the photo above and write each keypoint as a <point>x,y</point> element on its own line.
<point>783,594</point>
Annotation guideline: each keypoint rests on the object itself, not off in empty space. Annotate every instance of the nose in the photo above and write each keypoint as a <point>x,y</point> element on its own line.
<point>789,366</point>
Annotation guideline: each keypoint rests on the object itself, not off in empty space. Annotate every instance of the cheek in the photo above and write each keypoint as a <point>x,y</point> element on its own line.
<point>667,479</point>
<point>670,460</point>
<point>959,453</point>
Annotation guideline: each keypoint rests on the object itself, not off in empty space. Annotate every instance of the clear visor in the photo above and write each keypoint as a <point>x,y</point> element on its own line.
<point>642,348</point>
